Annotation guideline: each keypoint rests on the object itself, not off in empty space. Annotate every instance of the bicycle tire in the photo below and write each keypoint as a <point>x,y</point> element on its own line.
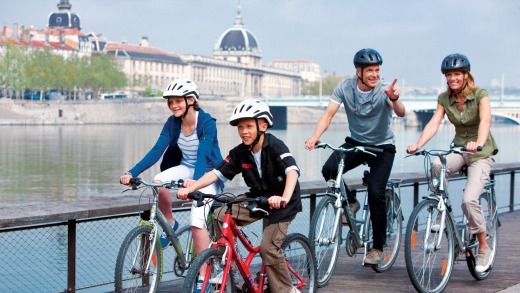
<point>298,254</point>
<point>490,215</point>
<point>394,232</point>
<point>133,256</point>
<point>325,242</point>
<point>212,257</point>
<point>428,267</point>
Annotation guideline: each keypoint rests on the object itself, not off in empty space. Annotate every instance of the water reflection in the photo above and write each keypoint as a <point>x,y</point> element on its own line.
<point>56,163</point>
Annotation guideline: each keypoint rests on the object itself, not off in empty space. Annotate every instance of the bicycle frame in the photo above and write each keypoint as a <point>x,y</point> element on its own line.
<point>229,233</point>
<point>157,218</point>
<point>444,205</point>
<point>341,199</point>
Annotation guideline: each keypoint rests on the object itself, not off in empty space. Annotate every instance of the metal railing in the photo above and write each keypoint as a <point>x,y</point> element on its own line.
<point>79,254</point>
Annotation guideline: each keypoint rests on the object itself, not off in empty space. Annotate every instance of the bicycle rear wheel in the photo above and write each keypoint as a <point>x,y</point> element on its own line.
<point>324,240</point>
<point>134,266</point>
<point>394,232</point>
<point>301,261</point>
<point>429,265</point>
<point>488,206</point>
<point>213,278</point>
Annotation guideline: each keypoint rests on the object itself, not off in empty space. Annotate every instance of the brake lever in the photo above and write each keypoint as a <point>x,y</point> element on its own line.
<point>257,209</point>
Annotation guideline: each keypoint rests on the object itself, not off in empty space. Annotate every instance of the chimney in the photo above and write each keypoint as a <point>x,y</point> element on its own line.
<point>144,42</point>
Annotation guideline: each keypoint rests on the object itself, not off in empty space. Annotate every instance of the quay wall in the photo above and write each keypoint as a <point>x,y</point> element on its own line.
<point>127,111</point>
<point>139,111</point>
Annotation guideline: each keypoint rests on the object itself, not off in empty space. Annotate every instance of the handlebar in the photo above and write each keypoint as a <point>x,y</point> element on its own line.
<point>364,149</point>
<point>135,181</point>
<point>456,150</point>
<point>254,202</point>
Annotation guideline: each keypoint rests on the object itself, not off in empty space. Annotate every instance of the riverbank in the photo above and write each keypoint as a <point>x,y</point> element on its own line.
<point>126,111</point>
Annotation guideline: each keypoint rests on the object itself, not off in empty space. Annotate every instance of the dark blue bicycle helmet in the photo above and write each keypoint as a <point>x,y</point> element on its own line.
<point>367,57</point>
<point>455,62</point>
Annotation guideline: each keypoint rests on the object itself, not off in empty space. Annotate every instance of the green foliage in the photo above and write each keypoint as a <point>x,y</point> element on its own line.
<point>328,84</point>
<point>41,70</point>
<point>151,93</point>
<point>11,68</point>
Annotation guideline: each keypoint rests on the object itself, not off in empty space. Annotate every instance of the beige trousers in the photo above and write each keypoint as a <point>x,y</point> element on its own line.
<point>478,176</point>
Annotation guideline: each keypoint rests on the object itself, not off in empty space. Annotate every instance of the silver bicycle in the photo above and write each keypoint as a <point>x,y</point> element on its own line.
<point>434,239</point>
<point>326,224</point>
<point>140,261</point>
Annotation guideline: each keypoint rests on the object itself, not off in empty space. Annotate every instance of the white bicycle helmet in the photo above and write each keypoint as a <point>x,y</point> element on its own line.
<point>181,88</point>
<point>251,109</point>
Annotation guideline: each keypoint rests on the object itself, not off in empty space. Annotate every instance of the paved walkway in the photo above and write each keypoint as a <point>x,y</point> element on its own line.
<point>351,276</point>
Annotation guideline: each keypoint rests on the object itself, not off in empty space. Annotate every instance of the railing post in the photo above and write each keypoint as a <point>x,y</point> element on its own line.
<point>312,202</point>
<point>512,192</point>
<point>71,261</point>
<point>415,194</point>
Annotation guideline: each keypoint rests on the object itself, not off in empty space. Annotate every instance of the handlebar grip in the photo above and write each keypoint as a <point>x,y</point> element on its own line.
<point>196,195</point>
<point>374,150</point>
<point>283,204</point>
<point>479,148</point>
<point>135,180</point>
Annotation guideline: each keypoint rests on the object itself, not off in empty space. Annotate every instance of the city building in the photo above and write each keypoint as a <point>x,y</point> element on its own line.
<point>234,70</point>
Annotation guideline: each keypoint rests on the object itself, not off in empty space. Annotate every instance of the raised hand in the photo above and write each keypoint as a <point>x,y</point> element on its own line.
<point>392,92</point>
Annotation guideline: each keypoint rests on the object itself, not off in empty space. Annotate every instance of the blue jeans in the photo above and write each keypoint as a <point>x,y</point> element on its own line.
<point>380,168</point>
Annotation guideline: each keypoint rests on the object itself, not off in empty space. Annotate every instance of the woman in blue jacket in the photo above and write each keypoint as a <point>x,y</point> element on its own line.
<point>189,143</point>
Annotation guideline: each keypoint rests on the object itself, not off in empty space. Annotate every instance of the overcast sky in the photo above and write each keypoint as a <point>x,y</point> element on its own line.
<point>412,36</point>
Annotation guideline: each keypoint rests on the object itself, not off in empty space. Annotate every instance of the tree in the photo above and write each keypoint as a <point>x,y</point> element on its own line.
<point>328,84</point>
<point>102,73</point>
<point>43,71</point>
<point>11,67</point>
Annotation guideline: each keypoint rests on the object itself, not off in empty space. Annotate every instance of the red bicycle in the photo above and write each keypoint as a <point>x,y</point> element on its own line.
<point>225,251</point>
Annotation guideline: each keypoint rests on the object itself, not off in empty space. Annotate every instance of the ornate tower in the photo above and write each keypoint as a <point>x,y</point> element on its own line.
<point>64,18</point>
<point>238,44</point>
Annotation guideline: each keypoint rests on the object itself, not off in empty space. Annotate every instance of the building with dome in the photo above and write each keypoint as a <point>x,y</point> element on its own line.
<point>234,70</point>
<point>64,17</point>
<point>238,44</point>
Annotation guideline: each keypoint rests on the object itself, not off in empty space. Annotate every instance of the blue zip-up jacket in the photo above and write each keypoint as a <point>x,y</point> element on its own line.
<point>208,155</point>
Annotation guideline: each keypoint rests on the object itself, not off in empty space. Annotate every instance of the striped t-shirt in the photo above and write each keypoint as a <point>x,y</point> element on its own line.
<point>189,145</point>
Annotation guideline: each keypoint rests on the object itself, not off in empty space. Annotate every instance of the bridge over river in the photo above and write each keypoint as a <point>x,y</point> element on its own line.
<point>503,109</point>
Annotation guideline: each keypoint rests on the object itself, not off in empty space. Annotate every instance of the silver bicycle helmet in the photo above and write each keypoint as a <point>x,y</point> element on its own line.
<point>251,109</point>
<point>181,88</point>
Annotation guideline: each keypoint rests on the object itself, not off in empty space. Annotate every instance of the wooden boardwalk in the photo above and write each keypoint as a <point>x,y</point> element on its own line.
<point>350,276</point>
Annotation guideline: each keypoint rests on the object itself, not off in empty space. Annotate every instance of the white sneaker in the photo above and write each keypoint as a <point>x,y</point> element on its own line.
<point>295,290</point>
<point>483,261</point>
<point>217,279</point>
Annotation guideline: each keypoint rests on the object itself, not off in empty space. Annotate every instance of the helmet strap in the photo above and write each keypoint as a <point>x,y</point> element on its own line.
<point>187,107</point>
<point>362,81</point>
<point>258,134</point>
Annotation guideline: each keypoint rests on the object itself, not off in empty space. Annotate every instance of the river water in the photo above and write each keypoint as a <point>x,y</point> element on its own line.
<point>65,163</point>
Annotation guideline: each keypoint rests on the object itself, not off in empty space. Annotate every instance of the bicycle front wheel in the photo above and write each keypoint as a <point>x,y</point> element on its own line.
<point>324,240</point>
<point>139,265</point>
<point>429,253</point>
<point>212,257</point>
<point>489,211</point>
<point>394,232</point>
<point>301,262</point>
